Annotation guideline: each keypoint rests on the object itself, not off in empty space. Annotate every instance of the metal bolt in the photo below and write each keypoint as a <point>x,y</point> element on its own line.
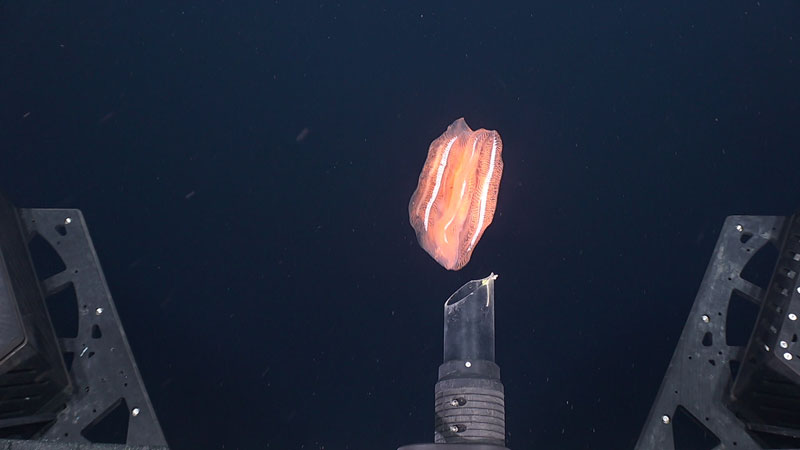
<point>792,316</point>
<point>467,364</point>
<point>787,356</point>
<point>766,347</point>
<point>67,221</point>
<point>784,344</point>
<point>665,419</point>
<point>705,318</point>
<point>135,412</point>
<point>99,310</point>
<point>739,228</point>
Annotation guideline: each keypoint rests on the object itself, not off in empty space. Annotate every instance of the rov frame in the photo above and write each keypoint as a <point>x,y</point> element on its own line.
<point>84,387</point>
<point>735,396</point>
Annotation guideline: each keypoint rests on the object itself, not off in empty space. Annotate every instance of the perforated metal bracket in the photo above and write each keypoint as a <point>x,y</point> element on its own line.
<point>699,375</point>
<point>103,369</point>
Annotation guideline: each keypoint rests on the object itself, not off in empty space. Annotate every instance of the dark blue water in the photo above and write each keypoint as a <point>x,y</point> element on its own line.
<point>245,168</point>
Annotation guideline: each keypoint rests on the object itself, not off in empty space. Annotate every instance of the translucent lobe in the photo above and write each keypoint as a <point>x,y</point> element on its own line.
<point>456,196</point>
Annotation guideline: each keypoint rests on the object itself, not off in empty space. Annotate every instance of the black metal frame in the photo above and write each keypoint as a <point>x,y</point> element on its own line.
<point>766,392</point>
<point>699,377</point>
<point>102,366</point>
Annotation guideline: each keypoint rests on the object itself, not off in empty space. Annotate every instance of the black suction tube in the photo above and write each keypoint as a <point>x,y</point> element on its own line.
<point>469,399</point>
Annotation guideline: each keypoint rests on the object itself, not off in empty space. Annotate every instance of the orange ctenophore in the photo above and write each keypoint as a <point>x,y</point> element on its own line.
<point>457,193</point>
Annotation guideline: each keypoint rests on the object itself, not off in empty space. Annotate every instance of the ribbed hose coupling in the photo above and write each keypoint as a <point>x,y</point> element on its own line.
<point>469,403</point>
